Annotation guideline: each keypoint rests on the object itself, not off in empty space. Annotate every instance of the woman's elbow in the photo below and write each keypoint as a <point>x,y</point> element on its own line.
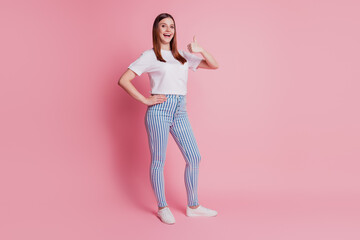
<point>122,82</point>
<point>126,78</point>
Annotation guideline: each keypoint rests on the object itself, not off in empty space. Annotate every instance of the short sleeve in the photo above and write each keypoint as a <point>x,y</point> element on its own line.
<point>192,59</point>
<point>142,64</point>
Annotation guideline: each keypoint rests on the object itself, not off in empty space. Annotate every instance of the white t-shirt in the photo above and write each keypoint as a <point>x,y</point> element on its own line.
<point>168,77</point>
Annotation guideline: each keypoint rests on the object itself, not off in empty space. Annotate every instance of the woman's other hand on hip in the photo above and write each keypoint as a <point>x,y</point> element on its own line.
<point>155,99</point>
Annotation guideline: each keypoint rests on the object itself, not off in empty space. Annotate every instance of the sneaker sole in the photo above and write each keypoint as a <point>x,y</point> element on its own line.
<point>195,215</point>
<point>170,223</point>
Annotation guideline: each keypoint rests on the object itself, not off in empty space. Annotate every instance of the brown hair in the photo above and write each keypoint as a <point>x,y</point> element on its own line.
<point>173,42</point>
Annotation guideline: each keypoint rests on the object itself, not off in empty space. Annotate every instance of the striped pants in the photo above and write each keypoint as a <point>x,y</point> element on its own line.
<point>160,119</point>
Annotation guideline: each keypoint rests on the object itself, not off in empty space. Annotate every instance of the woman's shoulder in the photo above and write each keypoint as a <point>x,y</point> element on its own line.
<point>149,50</point>
<point>149,54</point>
<point>183,53</point>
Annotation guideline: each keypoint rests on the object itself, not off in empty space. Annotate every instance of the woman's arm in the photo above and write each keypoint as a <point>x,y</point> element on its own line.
<point>125,83</point>
<point>209,62</point>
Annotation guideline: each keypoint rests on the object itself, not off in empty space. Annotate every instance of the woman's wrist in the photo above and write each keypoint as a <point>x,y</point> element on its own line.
<point>143,100</point>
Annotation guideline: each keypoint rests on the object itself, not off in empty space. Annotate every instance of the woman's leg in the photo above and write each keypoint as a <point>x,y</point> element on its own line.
<point>184,137</point>
<point>157,122</point>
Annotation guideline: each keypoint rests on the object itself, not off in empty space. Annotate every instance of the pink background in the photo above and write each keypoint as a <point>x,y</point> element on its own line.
<point>277,124</point>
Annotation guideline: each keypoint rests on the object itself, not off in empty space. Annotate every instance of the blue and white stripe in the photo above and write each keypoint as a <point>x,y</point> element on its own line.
<point>160,119</point>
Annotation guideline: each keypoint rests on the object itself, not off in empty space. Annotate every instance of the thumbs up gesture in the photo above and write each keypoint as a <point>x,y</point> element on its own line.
<point>194,46</point>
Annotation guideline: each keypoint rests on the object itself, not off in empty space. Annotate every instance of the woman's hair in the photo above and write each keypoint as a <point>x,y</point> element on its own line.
<point>173,42</point>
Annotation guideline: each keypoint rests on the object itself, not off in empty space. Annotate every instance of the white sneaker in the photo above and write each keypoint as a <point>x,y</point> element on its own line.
<point>166,216</point>
<point>200,211</point>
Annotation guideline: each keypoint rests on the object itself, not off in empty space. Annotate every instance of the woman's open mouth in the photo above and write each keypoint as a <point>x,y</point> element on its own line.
<point>167,35</point>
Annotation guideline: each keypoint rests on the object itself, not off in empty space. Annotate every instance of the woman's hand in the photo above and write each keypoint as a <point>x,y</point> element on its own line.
<point>155,99</point>
<point>194,46</point>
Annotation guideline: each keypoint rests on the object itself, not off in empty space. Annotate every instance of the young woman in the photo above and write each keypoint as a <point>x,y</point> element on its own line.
<point>167,68</point>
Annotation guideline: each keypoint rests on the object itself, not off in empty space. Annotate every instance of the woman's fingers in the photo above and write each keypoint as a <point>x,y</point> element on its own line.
<point>162,97</point>
<point>155,99</point>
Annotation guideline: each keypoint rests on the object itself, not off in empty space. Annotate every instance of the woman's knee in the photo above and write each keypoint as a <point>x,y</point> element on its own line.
<point>157,163</point>
<point>194,159</point>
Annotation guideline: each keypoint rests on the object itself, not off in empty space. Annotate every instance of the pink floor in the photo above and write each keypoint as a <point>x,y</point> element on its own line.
<point>250,216</point>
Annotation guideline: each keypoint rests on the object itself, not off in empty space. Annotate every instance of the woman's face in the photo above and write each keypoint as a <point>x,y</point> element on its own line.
<point>166,30</point>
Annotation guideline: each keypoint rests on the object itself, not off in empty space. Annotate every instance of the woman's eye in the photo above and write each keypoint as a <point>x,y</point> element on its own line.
<point>170,26</point>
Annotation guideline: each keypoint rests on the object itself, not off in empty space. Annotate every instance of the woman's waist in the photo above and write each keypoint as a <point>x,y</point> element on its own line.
<point>171,95</point>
